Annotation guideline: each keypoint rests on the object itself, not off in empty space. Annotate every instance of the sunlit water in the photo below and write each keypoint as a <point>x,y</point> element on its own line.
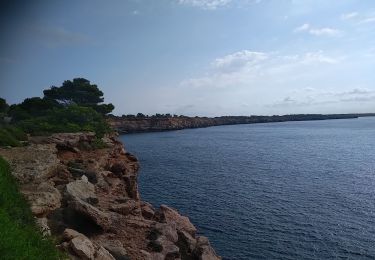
<point>292,190</point>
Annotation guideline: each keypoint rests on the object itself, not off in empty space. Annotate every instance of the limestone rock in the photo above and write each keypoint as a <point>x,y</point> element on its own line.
<point>83,247</point>
<point>118,168</point>
<point>157,256</point>
<point>144,255</point>
<point>101,180</point>
<point>43,199</point>
<point>70,140</point>
<point>99,217</point>
<point>82,189</point>
<point>103,254</point>
<point>167,248</point>
<point>169,215</point>
<point>116,249</point>
<point>148,210</point>
<point>168,230</point>
<point>107,141</point>
<point>186,243</point>
<point>128,207</point>
<point>32,164</point>
<point>131,186</point>
<point>204,251</point>
<point>101,200</point>
<point>69,234</point>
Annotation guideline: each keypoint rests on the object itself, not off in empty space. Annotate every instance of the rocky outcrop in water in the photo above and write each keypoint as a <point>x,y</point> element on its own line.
<point>88,198</point>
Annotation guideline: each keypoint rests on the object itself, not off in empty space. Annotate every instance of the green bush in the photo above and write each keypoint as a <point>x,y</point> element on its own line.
<point>98,144</point>
<point>75,106</point>
<point>7,139</point>
<point>67,119</point>
<point>19,236</point>
<point>16,132</point>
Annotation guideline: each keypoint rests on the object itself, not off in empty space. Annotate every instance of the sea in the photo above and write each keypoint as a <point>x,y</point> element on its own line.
<point>290,190</point>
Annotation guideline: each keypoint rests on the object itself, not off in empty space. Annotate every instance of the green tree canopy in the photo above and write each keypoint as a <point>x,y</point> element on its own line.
<point>81,92</point>
<point>3,106</point>
<point>75,106</point>
<point>34,106</point>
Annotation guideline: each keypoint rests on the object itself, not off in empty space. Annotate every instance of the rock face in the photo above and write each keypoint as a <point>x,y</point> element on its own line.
<point>156,124</point>
<point>89,199</point>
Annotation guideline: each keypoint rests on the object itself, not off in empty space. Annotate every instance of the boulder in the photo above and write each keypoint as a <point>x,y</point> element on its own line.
<point>204,251</point>
<point>83,247</point>
<point>43,198</point>
<point>69,234</point>
<point>157,256</point>
<point>82,189</point>
<point>103,254</point>
<point>100,218</point>
<point>168,230</point>
<point>148,210</point>
<point>171,252</point>
<point>107,141</point>
<point>167,248</point>
<point>186,243</point>
<point>118,168</point>
<point>116,249</point>
<point>144,255</point>
<point>32,164</point>
<point>169,215</point>
<point>70,140</point>
<point>131,186</point>
<point>126,208</point>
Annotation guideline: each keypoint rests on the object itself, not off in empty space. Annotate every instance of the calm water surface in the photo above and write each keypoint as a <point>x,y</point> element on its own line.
<point>293,190</point>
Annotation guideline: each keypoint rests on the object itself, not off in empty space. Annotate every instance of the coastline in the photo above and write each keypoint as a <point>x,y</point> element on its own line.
<point>88,199</point>
<point>127,125</point>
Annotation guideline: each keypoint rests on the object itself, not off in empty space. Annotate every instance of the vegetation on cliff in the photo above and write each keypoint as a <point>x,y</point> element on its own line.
<point>75,106</point>
<point>19,236</point>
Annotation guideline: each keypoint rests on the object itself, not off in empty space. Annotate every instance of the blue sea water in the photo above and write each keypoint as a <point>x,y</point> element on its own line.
<point>292,190</point>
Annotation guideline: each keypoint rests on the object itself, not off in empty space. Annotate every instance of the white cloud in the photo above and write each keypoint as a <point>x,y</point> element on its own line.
<point>302,28</point>
<point>370,19</point>
<point>349,16</point>
<point>288,99</point>
<point>246,68</point>
<point>360,19</point>
<point>215,4</point>
<point>238,60</point>
<point>319,57</point>
<point>317,97</point>
<point>205,4</point>
<point>325,31</point>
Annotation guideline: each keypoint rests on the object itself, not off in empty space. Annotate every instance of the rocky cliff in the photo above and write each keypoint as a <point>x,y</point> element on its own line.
<point>155,124</point>
<point>88,199</point>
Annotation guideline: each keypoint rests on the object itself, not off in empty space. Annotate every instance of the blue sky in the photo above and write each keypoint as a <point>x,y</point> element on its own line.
<point>196,57</point>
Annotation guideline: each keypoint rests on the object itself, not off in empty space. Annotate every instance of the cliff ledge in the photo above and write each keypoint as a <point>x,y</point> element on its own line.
<point>88,198</point>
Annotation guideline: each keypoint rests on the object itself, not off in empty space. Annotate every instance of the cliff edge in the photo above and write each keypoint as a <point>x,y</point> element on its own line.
<point>88,198</point>
<point>156,124</point>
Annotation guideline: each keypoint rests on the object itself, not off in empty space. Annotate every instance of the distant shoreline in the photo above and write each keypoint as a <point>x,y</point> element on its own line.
<point>145,124</point>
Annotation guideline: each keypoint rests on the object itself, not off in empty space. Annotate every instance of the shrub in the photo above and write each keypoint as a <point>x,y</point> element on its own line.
<point>16,132</point>
<point>7,139</point>
<point>98,144</point>
<point>67,119</point>
<point>19,236</point>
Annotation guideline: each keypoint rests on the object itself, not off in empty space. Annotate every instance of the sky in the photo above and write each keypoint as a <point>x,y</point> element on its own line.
<point>195,57</point>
